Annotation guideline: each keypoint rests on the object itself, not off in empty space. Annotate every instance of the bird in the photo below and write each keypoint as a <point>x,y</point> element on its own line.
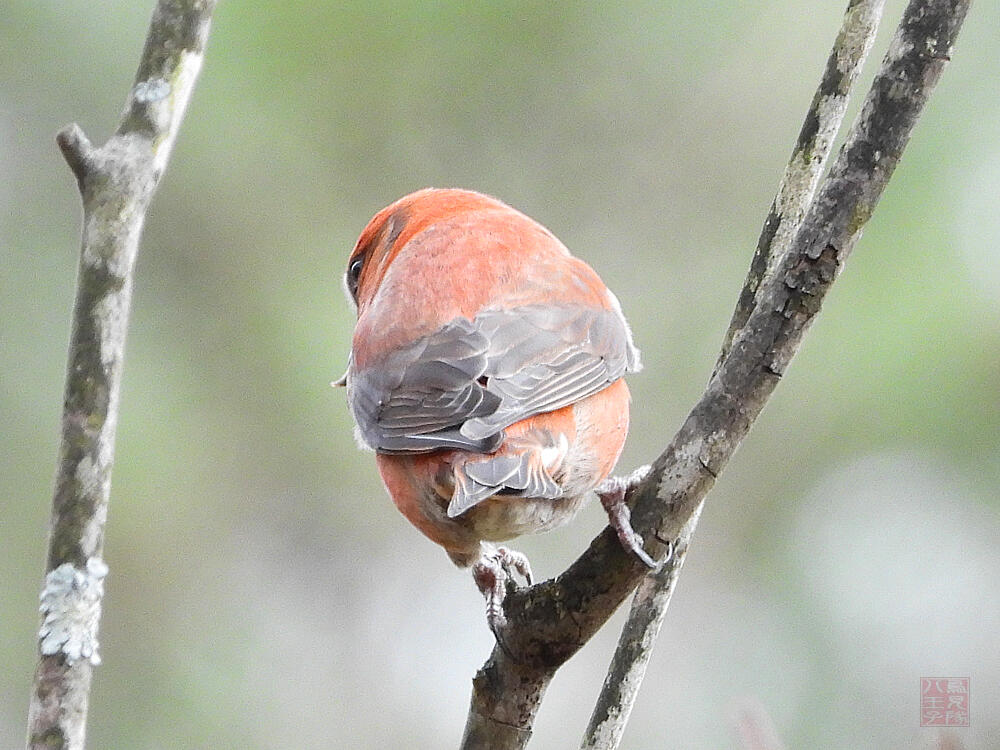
<point>486,372</point>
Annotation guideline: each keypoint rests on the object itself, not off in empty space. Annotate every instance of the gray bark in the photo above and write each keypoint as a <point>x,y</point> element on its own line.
<point>549,622</point>
<point>117,182</point>
<point>795,193</point>
<point>805,165</point>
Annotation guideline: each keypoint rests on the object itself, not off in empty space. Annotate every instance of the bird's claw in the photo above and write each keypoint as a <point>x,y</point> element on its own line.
<point>612,494</point>
<point>491,572</point>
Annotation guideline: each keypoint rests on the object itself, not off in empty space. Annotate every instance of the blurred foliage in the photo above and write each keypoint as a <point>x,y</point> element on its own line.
<point>265,593</point>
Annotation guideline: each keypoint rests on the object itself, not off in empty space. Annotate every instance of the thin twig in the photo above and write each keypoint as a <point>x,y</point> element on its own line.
<point>635,646</point>
<point>805,165</point>
<point>795,192</point>
<point>117,182</point>
<point>549,622</point>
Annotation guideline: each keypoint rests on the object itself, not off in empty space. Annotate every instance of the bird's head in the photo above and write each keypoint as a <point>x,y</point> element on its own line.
<point>392,227</point>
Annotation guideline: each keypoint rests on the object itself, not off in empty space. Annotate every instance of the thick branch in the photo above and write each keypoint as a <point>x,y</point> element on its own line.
<point>117,182</point>
<point>795,193</point>
<point>549,622</point>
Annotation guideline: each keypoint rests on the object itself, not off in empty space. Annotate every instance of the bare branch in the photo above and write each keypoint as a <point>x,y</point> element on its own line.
<point>117,182</point>
<point>805,165</point>
<point>795,193</point>
<point>549,622</point>
<point>635,647</point>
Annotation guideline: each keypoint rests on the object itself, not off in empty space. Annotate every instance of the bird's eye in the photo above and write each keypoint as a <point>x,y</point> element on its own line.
<point>354,276</point>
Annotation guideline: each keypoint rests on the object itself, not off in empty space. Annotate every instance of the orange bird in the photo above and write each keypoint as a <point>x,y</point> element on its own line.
<point>486,373</point>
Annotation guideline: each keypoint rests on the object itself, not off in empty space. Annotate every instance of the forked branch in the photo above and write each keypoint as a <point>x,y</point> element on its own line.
<point>795,193</point>
<point>549,622</point>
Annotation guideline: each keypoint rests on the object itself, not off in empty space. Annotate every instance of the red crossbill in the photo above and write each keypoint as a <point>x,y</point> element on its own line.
<point>486,373</point>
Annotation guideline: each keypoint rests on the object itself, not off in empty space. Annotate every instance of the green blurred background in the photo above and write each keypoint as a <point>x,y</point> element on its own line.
<point>265,593</point>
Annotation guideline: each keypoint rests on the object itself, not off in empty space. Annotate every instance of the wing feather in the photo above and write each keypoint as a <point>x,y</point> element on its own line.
<point>462,385</point>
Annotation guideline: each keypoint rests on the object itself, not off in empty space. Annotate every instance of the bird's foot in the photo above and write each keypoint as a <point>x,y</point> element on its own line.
<point>612,494</point>
<point>491,572</point>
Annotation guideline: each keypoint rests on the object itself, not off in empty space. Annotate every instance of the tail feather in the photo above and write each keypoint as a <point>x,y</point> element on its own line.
<point>523,473</point>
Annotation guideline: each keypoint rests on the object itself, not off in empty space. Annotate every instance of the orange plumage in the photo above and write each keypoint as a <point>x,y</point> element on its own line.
<point>486,372</point>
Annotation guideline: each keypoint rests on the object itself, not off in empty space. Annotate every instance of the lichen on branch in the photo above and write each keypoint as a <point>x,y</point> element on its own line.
<point>117,182</point>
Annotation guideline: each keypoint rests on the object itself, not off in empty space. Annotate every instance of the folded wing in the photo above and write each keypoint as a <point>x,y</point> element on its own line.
<point>460,386</point>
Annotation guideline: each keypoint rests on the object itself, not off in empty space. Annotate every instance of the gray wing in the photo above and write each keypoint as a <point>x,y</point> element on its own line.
<point>462,385</point>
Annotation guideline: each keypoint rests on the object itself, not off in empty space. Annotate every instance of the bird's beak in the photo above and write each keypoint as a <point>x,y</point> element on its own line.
<point>342,380</point>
